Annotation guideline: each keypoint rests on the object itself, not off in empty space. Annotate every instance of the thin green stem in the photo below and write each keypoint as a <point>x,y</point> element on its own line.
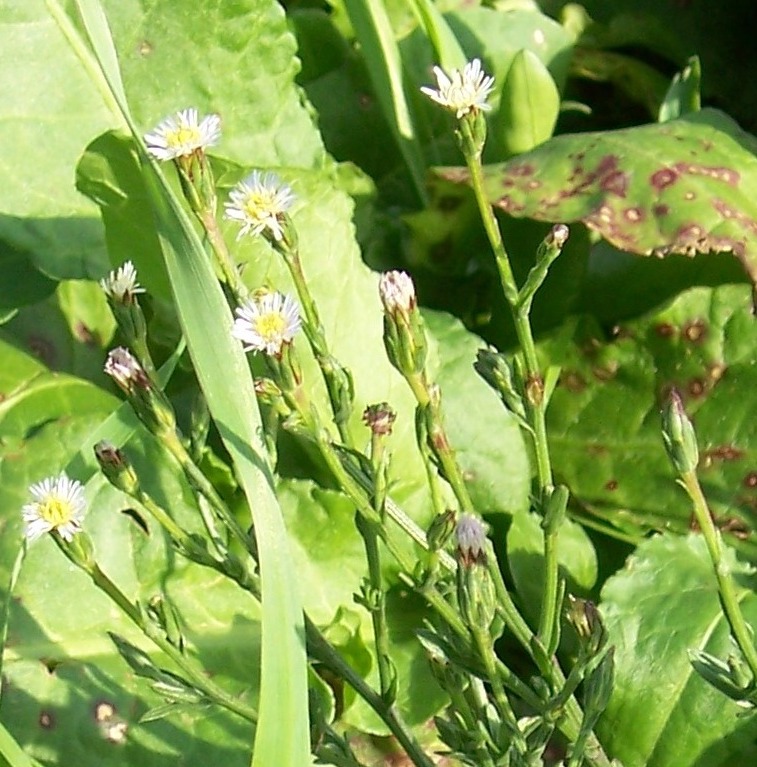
<point>195,675</point>
<point>726,587</point>
<point>223,257</point>
<point>534,385</point>
<point>321,651</point>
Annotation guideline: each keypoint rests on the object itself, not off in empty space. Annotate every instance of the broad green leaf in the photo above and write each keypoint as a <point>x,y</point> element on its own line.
<point>49,112</point>
<point>662,713</point>
<point>604,416</point>
<point>238,60</point>
<point>525,559</point>
<point>528,106</point>
<point>685,186</point>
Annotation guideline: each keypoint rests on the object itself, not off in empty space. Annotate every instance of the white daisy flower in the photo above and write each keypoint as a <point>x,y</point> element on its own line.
<point>58,504</point>
<point>265,323</point>
<point>183,134</point>
<point>397,292</point>
<point>462,92</point>
<point>121,284</point>
<point>259,203</point>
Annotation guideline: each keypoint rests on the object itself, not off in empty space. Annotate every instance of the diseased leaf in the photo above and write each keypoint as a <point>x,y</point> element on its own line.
<point>684,186</point>
<point>604,416</point>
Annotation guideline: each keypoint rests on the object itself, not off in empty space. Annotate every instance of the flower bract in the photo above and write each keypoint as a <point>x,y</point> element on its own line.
<point>58,504</point>
<point>463,91</point>
<point>183,134</point>
<point>265,323</point>
<point>259,203</point>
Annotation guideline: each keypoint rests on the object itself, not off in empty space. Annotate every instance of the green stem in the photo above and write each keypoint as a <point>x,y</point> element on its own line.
<point>726,587</point>
<point>330,367</point>
<point>321,651</point>
<point>223,257</point>
<point>534,384</point>
<point>196,676</point>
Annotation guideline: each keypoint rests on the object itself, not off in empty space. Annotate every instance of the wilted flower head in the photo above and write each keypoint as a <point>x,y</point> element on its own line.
<point>124,369</point>
<point>121,284</point>
<point>462,92</point>
<point>397,292</point>
<point>259,203</point>
<point>266,322</point>
<point>183,134</point>
<point>470,533</point>
<point>58,504</point>
<point>380,418</point>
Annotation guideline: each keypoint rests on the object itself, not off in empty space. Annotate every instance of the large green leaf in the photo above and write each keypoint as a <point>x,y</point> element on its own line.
<point>685,186</point>
<point>604,416</point>
<point>662,714</point>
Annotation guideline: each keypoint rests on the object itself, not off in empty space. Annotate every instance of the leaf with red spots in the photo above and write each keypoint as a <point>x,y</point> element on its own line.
<point>604,415</point>
<point>686,186</point>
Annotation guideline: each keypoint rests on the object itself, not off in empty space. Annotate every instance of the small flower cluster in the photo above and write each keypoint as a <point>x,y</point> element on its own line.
<point>183,135</point>
<point>266,322</point>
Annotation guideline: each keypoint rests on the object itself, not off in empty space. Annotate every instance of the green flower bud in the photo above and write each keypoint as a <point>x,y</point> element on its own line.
<point>678,435</point>
<point>441,528</point>
<point>404,335</point>
<point>117,468</point>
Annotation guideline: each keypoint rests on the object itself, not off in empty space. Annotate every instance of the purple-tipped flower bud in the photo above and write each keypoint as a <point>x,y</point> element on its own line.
<point>397,292</point>
<point>404,336</point>
<point>470,533</point>
<point>123,368</point>
<point>116,467</point>
<point>558,236</point>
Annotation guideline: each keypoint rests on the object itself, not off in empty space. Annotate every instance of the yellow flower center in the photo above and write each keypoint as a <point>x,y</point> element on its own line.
<point>56,511</point>
<point>259,205</point>
<point>182,137</point>
<point>270,326</point>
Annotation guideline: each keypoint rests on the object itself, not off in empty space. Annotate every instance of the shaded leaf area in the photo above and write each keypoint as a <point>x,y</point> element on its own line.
<point>336,81</point>
<point>61,674</point>
<point>604,416</point>
<point>686,186</point>
<point>674,31</point>
<point>662,714</point>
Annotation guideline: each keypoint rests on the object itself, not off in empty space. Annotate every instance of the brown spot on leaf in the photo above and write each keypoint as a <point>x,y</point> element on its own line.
<point>104,710</point>
<point>689,196</point>
<point>615,183</point>
<point>634,215</point>
<point>605,373</point>
<point>46,720</point>
<point>611,485</point>
<point>42,349</point>
<point>523,169</point>
<point>661,209</point>
<point>663,178</point>
<point>145,48</point>
<point>695,331</point>
<point>85,334</point>
<point>724,453</point>
<point>696,387</point>
<point>572,381</point>
<point>750,480</point>
<point>665,330</point>
<point>716,370</point>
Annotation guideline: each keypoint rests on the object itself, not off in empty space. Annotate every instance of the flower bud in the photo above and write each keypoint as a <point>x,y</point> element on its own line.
<point>379,418</point>
<point>440,530</point>
<point>404,336</point>
<point>679,436</point>
<point>117,468</point>
<point>497,371</point>
<point>470,533</point>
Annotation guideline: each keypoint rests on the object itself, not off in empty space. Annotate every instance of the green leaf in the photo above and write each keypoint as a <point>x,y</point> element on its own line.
<point>683,95</point>
<point>528,107</point>
<point>685,186</point>
<point>604,416</point>
<point>662,713</point>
